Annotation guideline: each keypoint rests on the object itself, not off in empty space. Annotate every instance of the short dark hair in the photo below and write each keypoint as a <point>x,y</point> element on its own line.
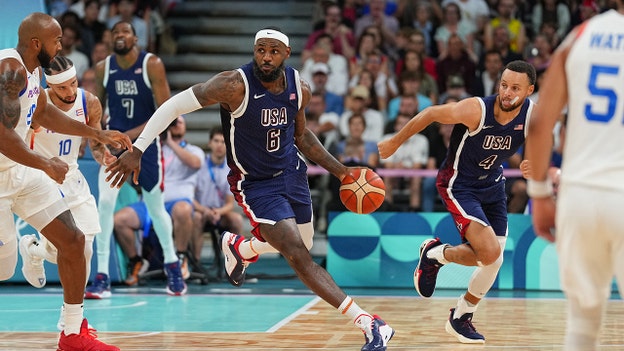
<point>216,131</point>
<point>521,66</point>
<point>357,115</point>
<point>130,24</point>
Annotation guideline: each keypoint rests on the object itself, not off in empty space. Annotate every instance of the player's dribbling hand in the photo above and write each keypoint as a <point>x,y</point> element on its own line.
<point>543,213</point>
<point>56,169</point>
<point>115,139</point>
<point>119,171</point>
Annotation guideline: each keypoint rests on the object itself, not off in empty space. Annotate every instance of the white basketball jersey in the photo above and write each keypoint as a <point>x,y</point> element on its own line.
<point>594,145</point>
<point>63,146</point>
<point>28,103</point>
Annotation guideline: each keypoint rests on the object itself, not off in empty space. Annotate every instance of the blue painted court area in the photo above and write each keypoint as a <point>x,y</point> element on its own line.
<point>156,313</point>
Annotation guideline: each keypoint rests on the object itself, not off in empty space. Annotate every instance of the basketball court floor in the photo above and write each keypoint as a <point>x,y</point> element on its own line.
<point>276,312</point>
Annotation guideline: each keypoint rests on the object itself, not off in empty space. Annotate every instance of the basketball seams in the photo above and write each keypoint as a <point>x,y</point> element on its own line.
<point>362,191</point>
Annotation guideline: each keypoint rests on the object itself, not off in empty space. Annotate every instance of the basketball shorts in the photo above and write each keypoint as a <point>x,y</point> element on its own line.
<point>590,242</point>
<point>30,194</point>
<point>269,201</point>
<point>487,206</point>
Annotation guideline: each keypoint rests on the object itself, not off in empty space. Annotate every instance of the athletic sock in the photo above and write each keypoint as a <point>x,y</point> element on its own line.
<point>437,253</point>
<point>463,307</point>
<point>252,248</point>
<point>360,318</point>
<point>73,318</point>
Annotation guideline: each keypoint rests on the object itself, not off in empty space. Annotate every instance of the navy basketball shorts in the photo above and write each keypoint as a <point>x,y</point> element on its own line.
<point>487,206</point>
<point>269,201</point>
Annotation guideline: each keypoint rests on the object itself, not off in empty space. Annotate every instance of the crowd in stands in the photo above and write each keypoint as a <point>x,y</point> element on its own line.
<point>389,59</point>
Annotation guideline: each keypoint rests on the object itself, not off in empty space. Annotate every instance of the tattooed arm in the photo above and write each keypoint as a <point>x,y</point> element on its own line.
<point>12,81</point>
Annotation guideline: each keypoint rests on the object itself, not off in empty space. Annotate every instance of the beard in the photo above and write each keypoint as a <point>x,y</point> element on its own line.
<point>67,100</point>
<point>44,58</point>
<point>122,50</point>
<point>510,108</point>
<point>268,77</point>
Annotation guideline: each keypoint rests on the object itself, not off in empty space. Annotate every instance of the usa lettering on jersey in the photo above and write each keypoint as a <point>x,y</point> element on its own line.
<point>126,87</point>
<point>497,142</point>
<point>272,117</point>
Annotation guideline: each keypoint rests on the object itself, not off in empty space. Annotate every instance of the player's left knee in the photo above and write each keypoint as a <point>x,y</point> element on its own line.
<point>494,255</point>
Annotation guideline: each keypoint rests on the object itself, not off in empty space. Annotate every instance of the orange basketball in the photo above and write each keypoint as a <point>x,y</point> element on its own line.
<point>362,191</point>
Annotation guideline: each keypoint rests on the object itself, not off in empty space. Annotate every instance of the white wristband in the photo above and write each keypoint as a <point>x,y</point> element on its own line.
<point>171,109</point>
<point>539,189</point>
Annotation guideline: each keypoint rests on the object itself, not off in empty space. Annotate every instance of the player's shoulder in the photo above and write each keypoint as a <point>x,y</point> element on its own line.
<point>10,61</point>
<point>14,72</point>
<point>90,96</point>
<point>305,87</point>
<point>152,58</point>
<point>468,105</point>
<point>153,62</point>
<point>229,78</point>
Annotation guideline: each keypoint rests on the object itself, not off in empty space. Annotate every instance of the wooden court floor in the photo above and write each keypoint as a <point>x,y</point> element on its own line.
<point>507,323</point>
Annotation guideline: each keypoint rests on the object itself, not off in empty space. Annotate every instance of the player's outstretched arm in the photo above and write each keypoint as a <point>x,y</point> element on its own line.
<point>467,112</point>
<point>49,116</point>
<point>189,100</point>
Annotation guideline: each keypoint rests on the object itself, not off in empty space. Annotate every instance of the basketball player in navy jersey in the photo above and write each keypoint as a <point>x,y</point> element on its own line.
<point>470,181</point>
<point>132,83</point>
<point>587,74</point>
<point>262,113</point>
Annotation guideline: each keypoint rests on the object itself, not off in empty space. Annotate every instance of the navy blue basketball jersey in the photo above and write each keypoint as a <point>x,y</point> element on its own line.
<point>474,159</point>
<point>130,99</point>
<point>260,133</point>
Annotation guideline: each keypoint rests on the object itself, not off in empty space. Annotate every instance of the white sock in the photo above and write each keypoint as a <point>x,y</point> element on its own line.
<point>463,307</point>
<point>60,325</point>
<point>73,318</point>
<point>254,247</point>
<point>437,253</point>
<point>360,318</point>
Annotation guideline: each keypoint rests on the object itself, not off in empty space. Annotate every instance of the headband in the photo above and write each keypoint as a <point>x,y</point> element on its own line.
<point>271,34</point>
<point>61,77</point>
